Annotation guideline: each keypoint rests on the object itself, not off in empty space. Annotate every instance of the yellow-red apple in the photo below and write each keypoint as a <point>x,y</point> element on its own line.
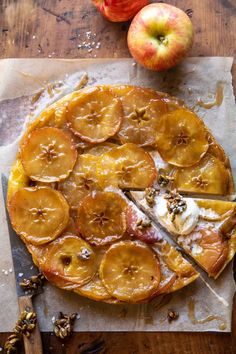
<point>159,36</point>
<point>119,10</point>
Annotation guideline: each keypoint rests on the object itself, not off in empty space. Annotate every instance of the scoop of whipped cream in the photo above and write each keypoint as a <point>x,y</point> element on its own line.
<point>183,223</point>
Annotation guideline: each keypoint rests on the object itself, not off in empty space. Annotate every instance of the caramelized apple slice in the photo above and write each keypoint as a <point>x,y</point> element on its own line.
<point>140,227</point>
<point>38,215</point>
<point>217,151</point>
<point>37,253</point>
<point>94,290</point>
<point>173,103</point>
<point>17,179</point>
<point>101,217</point>
<point>209,249</point>
<point>95,115</point>
<point>99,149</point>
<point>59,281</point>
<point>176,272</point>
<point>130,271</point>
<point>142,109</point>
<point>181,138</point>
<point>71,259</point>
<point>48,155</point>
<point>82,180</point>
<point>214,210</point>
<point>127,166</point>
<point>208,176</point>
<point>184,271</point>
<point>80,145</point>
<point>168,278</point>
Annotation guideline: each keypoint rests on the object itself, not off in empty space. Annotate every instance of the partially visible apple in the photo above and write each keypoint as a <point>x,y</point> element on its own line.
<point>119,10</point>
<point>159,36</point>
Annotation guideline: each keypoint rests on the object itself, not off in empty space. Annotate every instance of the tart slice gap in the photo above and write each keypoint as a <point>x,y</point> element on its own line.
<point>205,229</point>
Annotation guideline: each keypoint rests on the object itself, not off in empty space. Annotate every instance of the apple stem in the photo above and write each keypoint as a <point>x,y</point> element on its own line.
<point>162,39</point>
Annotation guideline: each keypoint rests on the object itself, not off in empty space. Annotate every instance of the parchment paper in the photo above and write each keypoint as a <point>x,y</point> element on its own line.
<point>195,78</point>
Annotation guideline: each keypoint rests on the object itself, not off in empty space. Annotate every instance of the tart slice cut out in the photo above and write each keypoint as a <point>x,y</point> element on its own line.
<point>208,247</point>
<point>181,138</point>
<point>127,166</point>
<point>48,155</point>
<point>206,230</point>
<point>101,218</point>
<point>38,214</point>
<point>95,115</point>
<point>130,271</point>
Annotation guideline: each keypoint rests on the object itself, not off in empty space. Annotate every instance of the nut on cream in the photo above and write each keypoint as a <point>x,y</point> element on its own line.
<point>183,223</point>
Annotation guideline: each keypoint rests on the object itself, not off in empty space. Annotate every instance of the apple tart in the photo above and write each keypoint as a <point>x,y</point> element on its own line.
<point>83,163</point>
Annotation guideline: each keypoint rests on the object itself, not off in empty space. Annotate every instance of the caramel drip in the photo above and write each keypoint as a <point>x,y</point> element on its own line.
<point>217,101</point>
<point>191,314</point>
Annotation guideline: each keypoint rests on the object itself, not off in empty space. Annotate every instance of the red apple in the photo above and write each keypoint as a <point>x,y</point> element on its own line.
<point>119,10</point>
<point>159,36</point>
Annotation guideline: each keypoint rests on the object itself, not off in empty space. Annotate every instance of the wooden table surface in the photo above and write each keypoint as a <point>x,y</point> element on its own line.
<point>61,29</point>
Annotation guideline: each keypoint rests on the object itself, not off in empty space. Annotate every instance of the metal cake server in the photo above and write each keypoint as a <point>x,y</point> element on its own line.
<point>23,268</point>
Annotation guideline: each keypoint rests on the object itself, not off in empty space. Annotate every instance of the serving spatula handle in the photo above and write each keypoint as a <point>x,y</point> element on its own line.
<point>33,344</point>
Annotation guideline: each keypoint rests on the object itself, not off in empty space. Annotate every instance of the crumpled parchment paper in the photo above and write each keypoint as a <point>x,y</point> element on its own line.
<point>194,79</point>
